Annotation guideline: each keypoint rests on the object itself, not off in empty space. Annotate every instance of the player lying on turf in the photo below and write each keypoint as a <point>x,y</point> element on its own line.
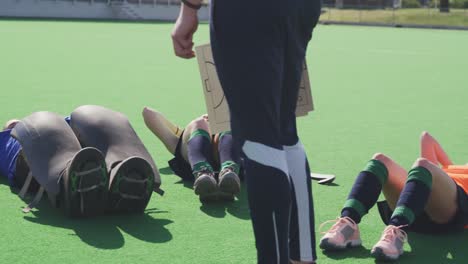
<point>428,198</point>
<point>86,163</point>
<point>198,155</point>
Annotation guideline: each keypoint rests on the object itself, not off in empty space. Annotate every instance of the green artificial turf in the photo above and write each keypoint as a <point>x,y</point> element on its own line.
<point>375,90</point>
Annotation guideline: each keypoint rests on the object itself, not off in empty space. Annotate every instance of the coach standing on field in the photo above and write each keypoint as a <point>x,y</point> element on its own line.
<point>259,48</point>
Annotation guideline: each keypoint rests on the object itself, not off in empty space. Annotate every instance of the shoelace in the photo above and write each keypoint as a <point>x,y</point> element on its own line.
<point>335,225</point>
<point>227,169</point>
<point>394,231</point>
<point>203,170</point>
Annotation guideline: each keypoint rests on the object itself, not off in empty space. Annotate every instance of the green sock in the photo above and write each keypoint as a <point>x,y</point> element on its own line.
<point>202,166</point>
<point>229,163</point>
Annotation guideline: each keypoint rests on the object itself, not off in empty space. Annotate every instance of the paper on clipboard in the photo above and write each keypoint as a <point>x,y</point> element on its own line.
<point>216,104</point>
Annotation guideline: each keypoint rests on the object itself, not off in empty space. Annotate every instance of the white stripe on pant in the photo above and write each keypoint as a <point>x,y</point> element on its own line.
<point>296,159</point>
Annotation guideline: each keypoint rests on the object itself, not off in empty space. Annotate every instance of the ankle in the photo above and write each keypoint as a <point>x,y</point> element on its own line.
<point>202,168</point>
<point>230,165</point>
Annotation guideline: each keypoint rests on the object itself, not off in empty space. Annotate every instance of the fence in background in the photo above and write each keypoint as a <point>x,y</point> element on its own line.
<point>95,9</point>
<point>392,13</point>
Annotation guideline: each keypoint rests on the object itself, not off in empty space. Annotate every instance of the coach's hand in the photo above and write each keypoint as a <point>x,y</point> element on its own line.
<point>182,34</point>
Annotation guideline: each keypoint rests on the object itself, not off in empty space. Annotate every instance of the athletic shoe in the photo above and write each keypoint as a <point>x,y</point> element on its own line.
<point>229,183</point>
<point>390,245</point>
<point>205,184</point>
<point>85,183</point>
<point>343,234</point>
<point>131,186</point>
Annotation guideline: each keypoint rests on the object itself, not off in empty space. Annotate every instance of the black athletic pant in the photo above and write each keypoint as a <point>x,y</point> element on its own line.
<point>259,48</point>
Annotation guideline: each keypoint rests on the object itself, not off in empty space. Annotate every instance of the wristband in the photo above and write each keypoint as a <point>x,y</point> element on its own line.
<point>193,6</point>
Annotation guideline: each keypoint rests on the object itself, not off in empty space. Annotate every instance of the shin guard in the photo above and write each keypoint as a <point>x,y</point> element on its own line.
<point>132,171</point>
<point>73,178</point>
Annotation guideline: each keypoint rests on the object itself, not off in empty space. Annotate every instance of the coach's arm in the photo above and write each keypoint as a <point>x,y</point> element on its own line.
<point>185,26</point>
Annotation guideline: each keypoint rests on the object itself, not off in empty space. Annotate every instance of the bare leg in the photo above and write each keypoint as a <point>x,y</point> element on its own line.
<point>396,179</point>
<point>442,204</point>
<point>428,189</point>
<point>381,174</point>
<point>431,150</point>
<point>197,150</point>
<point>166,131</point>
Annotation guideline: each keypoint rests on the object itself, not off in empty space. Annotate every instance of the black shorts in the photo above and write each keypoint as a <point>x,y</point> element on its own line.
<point>182,168</point>
<point>424,224</point>
<point>21,173</point>
<point>179,165</point>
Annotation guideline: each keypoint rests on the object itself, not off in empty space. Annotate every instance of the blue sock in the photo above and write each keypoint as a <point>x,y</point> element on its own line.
<point>227,155</point>
<point>413,197</point>
<point>365,191</point>
<point>199,150</point>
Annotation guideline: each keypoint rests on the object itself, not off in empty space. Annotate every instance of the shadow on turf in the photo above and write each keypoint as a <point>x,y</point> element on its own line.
<point>218,209</point>
<point>332,184</point>
<point>353,253</point>
<point>238,208</point>
<point>447,249</point>
<point>104,231</point>
<point>425,249</point>
<point>166,171</point>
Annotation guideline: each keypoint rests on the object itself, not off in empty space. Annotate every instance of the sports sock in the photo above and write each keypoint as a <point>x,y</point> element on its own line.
<point>365,191</point>
<point>199,151</point>
<point>413,197</point>
<point>227,157</point>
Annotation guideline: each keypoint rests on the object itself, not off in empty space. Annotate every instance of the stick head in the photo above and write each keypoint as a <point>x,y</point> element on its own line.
<point>322,178</point>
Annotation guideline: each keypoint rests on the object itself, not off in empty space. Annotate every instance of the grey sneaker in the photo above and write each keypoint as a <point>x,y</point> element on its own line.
<point>229,183</point>
<point>205,185</point>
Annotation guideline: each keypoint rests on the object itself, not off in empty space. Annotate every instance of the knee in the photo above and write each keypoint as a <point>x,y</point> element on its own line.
<point>88,113</point>
<point>382,158</point>
<point>96,116</point>
<point>147,113</point>
<point>426,164</point>
<point>425,136</point>
<point>422,171</point>
<point>46,121</point>
<point>423,162</point>
<point>87,109</point>
<point>199,123</point>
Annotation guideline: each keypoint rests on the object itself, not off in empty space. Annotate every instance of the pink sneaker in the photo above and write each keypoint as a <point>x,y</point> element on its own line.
<point>390,245</point>
<point>343,234</point>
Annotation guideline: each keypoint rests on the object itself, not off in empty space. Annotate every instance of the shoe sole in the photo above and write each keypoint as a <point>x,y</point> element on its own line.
<point>131,186</point>
<point>205,187</point>
<point>229,186</point>
<point>85,185</point>
<point>222,196</point>
<point>325,245</point>
<point>378,254</point>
